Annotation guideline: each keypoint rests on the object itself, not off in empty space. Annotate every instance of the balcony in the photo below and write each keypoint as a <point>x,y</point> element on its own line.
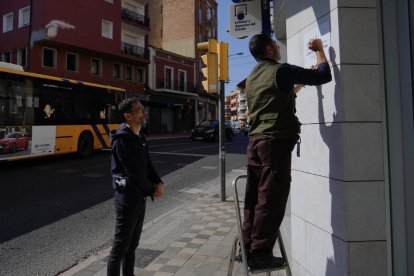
<point>134,17</point>
<point>210,18</point>
<point>134,50</point>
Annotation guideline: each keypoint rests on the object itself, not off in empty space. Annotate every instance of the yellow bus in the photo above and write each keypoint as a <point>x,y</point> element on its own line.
<point>45,115</point>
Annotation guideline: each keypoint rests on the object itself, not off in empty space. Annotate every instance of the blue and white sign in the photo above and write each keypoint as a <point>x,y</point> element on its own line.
<point>245,18</point>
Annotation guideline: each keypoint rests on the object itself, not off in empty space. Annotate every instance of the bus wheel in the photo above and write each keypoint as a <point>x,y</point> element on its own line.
<point>85,145</point>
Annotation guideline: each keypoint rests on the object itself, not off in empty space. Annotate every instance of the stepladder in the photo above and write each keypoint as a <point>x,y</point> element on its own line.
<point>238,251</point>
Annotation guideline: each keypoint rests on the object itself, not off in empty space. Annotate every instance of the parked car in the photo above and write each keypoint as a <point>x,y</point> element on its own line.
<point>209,130</point>
<point>235,125</point>
<point>246,130</point>
<point>14,141</point>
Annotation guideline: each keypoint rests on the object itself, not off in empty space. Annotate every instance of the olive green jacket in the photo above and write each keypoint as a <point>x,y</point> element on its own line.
<point>271,111</point>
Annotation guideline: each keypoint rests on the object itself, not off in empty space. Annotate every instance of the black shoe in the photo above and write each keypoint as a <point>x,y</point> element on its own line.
<point>266,263</point>
<point>239,257</point>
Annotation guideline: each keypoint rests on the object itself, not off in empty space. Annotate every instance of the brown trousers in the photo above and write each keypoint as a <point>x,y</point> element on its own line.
<point>267,191</point>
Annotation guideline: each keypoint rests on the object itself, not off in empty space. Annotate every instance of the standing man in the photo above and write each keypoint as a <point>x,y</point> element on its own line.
<point>134,178</point>
<point>271,90</point>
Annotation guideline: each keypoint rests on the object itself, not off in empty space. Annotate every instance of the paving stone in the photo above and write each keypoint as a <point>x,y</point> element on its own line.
<point>194,241</point>
<point>176,262</point>
<point>179,244</point>
<point>169,268</point>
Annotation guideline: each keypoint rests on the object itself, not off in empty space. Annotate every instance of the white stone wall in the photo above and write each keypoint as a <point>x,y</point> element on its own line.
<point>337,207</point>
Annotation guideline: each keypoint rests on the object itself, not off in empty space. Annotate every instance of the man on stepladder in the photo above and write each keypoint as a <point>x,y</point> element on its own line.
<point>271,91</point>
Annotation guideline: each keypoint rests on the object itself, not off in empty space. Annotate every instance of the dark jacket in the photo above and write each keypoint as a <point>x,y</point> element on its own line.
<point>133,175</point>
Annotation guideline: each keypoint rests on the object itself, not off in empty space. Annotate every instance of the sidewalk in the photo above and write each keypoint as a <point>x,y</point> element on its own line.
<point>194,239</point>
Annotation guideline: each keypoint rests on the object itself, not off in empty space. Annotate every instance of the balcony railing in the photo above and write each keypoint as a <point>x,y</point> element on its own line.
<point>134,50</point>
<point>134,17</point>
<point>209,18</point>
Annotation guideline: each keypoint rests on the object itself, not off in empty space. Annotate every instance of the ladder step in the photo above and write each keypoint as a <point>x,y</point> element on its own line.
<point>261,270</point>
<point>238,258</point>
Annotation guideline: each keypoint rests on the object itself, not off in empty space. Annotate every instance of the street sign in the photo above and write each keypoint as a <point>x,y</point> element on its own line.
<point>245,18</point>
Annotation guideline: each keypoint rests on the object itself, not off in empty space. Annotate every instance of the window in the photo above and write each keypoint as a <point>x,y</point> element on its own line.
<point>182,80</point>
<point>117,71</point>
<point>7,22</point>
<point>110,1</point>
<point>24,16</point>
<point>107,28</point>
<point>140,74</point>
<point>128,72</point>
<point>168,78</point>
<point>96,65</point>
<point>6,57</point>
<point>22,56</point>
<point>49,57</point>
<point>72,62</point>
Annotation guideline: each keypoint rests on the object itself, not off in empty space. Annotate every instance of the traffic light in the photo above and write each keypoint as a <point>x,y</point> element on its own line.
<point>210,62</point>
<point>223,60</point>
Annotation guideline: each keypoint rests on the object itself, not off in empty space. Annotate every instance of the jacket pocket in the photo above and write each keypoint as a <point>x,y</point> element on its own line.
<point>268,116</point>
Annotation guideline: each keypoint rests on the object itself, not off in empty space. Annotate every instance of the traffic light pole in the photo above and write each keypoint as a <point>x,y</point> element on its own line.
<point>217,69</point>
<point>222,143</point>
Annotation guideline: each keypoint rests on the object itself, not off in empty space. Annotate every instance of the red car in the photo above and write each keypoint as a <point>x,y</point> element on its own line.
<point>14,141</point>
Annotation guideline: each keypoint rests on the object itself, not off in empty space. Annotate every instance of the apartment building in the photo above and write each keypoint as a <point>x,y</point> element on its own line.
<point>177,27</point>
<point>233,104</point>
<point>239,110</point>
<point>101,41</point>
<point>227,108</point>
<point>173,100</point>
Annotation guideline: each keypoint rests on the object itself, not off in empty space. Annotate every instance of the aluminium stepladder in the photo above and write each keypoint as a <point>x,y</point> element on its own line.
<point>238,241</point>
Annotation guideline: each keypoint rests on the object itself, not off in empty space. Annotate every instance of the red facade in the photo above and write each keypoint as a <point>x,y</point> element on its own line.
<point>76,27</point>
<point>178,64</point>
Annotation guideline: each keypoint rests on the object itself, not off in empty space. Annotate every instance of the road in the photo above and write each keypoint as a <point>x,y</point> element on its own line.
<point>57,211</point>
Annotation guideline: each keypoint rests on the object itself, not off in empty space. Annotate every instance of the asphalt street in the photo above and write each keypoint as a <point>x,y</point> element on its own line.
<point>57,211</point>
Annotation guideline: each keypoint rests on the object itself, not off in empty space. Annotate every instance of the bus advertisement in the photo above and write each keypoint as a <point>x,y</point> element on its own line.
<point>44,115</point>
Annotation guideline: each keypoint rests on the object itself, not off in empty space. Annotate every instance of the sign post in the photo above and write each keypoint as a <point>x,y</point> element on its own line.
<point>223,75</point>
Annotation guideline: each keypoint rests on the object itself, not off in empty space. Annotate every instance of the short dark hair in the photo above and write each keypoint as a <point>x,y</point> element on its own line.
<point>257,45</point>
<point>126,105</point>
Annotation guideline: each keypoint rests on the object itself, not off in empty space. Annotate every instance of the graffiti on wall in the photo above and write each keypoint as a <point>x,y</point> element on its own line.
<point>54,25</point>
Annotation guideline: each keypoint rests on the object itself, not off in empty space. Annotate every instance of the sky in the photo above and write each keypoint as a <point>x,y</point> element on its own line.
<point>239,65</point>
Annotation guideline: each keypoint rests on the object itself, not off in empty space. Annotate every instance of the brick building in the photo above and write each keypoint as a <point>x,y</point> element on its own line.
<point>177,27</point>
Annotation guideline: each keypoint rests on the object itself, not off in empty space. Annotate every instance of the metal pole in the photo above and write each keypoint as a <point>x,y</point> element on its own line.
<point>222,144</point>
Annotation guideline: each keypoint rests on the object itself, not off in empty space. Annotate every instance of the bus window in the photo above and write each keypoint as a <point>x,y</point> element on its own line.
<point>16,101</point>
<point>55,103</point>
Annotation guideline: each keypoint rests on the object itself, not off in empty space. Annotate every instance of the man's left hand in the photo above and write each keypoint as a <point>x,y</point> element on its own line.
<point>159,190</point>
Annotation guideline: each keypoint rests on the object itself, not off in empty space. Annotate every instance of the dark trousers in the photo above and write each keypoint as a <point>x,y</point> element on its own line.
<point>128,228</point>
<point>267,191</point>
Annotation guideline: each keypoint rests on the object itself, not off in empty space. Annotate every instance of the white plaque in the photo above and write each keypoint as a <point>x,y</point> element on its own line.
<point>324,33</point>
